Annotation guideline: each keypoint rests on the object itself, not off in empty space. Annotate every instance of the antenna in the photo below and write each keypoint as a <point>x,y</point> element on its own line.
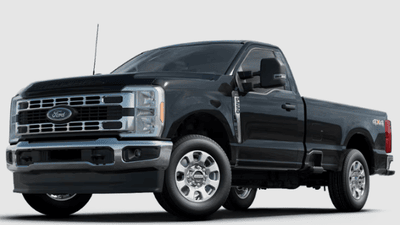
<point>95,50</point>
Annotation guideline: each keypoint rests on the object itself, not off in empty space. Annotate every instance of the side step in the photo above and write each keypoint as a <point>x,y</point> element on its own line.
<point>314,161</point>
<point>318,169</point>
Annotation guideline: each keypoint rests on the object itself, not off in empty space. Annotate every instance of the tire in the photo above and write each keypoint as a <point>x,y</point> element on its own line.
<point>198,179</point>
<point>240,198</point>
<point>60,205</point>
<point>349,188</point>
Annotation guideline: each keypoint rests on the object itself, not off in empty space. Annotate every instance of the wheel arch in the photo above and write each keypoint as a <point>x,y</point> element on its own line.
<point>361,140</point>
<point>210,123</point>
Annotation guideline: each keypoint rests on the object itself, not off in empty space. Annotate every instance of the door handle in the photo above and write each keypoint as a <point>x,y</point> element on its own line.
<point>288,107</point>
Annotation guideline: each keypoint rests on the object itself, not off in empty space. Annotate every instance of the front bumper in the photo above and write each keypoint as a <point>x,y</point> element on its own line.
<point>118,176</point>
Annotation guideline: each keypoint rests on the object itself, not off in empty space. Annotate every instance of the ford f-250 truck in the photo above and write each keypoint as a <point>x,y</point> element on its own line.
<point>200,125</point>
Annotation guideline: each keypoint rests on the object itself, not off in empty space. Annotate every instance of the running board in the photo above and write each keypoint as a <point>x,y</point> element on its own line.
<point>314,161</point>
<point>318,169</point>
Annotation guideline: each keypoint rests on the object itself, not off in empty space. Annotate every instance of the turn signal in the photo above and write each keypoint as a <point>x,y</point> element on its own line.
<point>162,112</point>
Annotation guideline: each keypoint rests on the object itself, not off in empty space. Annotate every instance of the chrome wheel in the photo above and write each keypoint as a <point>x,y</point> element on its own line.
<point>242,192</point>
<point>61,197</point>
<point>197,176</point>
<point>349,188</point>
<point>357,179</point>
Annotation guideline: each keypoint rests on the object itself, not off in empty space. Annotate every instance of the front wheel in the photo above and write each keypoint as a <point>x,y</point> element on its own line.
<point>349,188</point>
<point>240,198</point>
<point>198,178</point>
<point>57,205</point>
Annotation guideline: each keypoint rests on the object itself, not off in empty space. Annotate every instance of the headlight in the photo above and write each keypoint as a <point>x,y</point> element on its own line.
<point>145,125</point>
<point>13,138</point>
<point>146,99</point>
<point>149,111</point>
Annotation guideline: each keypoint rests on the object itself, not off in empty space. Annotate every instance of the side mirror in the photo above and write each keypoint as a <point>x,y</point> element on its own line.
<point>272,73</point>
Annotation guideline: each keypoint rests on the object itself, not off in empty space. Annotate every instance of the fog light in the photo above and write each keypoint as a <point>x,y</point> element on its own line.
<point>130,154</point>
<point>137,153</point>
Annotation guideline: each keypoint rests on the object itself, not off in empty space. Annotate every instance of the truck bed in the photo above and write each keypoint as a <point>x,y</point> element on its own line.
<point>329,126</point>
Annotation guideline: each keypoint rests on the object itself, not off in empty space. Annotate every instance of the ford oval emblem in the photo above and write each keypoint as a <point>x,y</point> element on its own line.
<point>59,114</point>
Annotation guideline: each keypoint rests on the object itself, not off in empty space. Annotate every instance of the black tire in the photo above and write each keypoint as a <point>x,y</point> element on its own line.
<point>339,184</point>
<point>172,198</point>
<point>43,203</point>
<point>239,199</point>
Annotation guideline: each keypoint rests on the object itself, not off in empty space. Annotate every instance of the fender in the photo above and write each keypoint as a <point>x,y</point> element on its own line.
<point>368,153</point>
<point>215,113</point>
<point>188,97</point>
<point>361,131</point>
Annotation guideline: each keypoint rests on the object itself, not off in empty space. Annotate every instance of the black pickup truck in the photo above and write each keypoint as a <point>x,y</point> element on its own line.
<point>201,125</point>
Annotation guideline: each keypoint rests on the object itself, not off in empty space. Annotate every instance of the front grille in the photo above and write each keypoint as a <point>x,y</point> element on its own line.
<point>83,114</point>
<point>89,113</point>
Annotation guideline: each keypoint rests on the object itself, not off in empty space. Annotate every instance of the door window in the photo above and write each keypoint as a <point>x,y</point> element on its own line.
<point>252,63</point>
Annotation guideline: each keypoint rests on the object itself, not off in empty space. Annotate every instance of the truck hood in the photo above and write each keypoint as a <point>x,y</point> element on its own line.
<point>103,83</point>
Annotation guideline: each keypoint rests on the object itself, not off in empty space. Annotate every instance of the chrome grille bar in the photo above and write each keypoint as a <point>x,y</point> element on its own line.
<point>74,100</point>
<point>81,126</point>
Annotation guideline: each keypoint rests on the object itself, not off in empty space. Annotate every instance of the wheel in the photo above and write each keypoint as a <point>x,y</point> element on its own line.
<point>198,178</point>
<point>349,188</point>
<point>240,198</point>
<point>57,205</point>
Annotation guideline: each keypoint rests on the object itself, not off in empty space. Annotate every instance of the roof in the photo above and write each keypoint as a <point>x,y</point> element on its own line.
<point>219,42</point>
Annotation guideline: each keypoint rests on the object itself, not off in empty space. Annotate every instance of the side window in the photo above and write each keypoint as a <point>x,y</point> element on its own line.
<point>280,57</point>
<point>252,63</point>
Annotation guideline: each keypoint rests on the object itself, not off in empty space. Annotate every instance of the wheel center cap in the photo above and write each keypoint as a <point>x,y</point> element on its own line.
<point>198,177</point>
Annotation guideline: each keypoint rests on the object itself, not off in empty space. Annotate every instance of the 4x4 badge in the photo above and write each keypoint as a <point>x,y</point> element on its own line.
<point>59,114</point>
<point>378,122</point>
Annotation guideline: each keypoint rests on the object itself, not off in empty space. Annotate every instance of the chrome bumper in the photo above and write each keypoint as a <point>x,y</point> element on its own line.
<point>160,163</point>
<point>389,160</point>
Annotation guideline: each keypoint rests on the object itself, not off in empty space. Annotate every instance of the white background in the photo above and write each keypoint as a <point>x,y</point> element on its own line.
<point>340,51</point>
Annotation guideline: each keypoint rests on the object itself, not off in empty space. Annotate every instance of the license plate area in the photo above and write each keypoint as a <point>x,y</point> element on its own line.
<point>97,156</point>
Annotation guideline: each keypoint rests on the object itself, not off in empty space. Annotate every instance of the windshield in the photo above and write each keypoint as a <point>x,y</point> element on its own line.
<point>201,58</point>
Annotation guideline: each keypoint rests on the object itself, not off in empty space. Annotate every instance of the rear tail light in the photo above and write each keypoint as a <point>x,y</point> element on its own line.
<point>388,134</point>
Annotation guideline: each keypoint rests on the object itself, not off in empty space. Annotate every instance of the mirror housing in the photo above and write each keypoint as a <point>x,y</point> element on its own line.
<point>272,73</point>
<point>245,75</point>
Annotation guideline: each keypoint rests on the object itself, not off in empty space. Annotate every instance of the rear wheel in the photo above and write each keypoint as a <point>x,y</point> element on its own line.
<point>197,181</point>
<point>349,188</point>
<point>240,198</point>
<point>57,205</point>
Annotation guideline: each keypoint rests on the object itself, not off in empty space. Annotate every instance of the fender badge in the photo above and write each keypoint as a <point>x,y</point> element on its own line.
<point>378,122</point>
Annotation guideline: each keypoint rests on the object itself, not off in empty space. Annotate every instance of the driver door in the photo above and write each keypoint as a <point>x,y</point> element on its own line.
<point>271,135</point>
